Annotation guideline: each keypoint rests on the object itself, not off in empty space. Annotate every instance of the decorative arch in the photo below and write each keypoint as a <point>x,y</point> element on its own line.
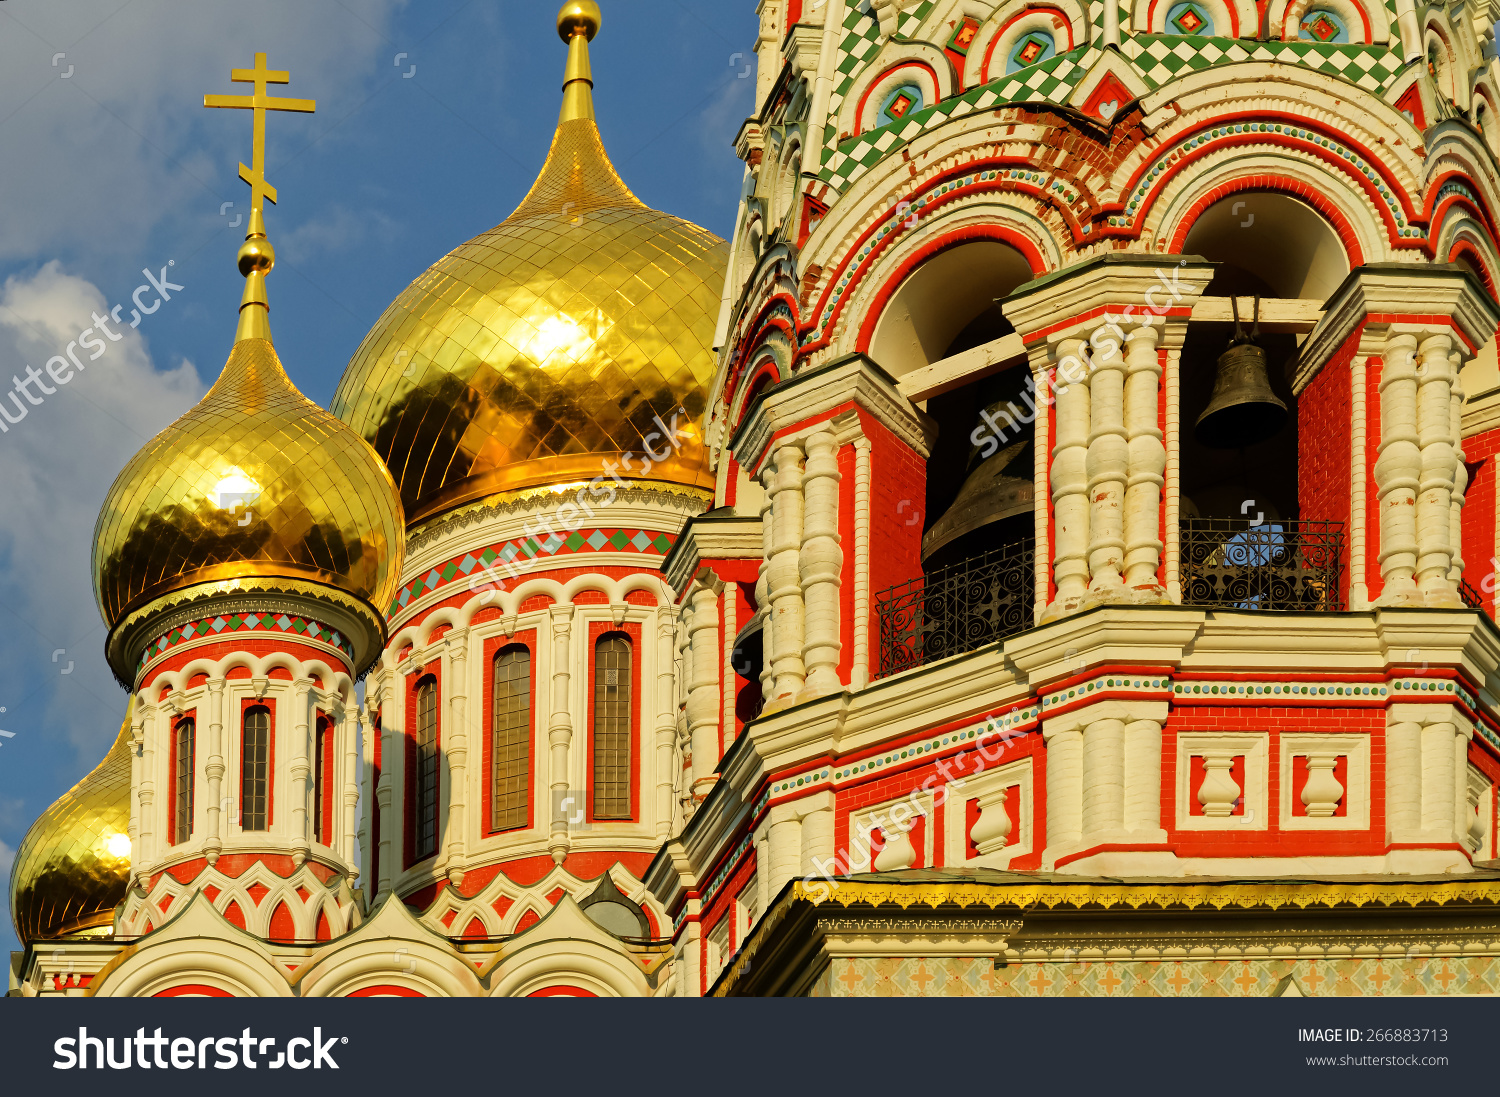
<point>1367,23</point>
<point>392,953</point>
<point>923,65</point>
<point>1231,18</point>
<point>1207,194</point>
<point>1442,60</point>
<point>999,36</point>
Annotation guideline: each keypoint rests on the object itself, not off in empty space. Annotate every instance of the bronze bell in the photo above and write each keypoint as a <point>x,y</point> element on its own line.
<point>987,495</point>
<point>1243,409</point>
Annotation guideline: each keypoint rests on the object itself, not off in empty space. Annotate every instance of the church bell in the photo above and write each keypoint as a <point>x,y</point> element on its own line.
<point>987,495</point>
<point>1243,409</point>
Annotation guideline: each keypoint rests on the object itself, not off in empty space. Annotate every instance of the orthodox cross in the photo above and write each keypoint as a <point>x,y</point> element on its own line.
<point>260,102</point>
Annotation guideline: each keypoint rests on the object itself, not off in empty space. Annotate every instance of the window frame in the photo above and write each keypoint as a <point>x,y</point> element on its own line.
<point>250,707</point>
<point>599,632</point>
<point>418,752</point>
<point>184,780</point>
<point>498,650</point>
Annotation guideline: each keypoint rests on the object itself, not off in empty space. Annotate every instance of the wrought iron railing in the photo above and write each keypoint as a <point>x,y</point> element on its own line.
<point>1472,598</point>
<point>957,609</point>
<point>1286,565</point>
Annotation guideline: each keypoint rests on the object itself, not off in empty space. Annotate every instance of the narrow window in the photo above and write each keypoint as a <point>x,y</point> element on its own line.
<point>425,809</point>
<point>322,748</point>
<point>612,728</point>
<point>182,807</point>
<point>510,794</point>
<point>256,771</point>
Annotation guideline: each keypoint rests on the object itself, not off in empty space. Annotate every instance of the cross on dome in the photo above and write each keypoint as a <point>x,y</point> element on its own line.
<point>260,102</point>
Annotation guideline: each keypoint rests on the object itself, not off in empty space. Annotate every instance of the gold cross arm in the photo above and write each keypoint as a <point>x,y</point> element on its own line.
<point>259,102</point>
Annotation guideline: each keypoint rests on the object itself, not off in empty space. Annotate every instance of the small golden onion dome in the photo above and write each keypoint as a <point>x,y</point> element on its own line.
<point>552,343</point>
<point>74,864</point>
<point>255,488</point>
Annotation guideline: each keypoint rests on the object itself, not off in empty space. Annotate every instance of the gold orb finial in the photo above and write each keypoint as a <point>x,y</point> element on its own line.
<point>578,15</point>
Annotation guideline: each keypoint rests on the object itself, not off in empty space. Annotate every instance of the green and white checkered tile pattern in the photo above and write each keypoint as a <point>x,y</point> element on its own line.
<point>1158,58</point>
<point>862,42</point>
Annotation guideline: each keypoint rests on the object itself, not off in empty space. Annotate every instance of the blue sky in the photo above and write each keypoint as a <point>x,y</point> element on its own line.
<point>110,165</point>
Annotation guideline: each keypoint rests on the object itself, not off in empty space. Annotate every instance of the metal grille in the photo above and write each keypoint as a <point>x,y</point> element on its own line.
<point>1285,565</point>
<point>182,822</point>
<point>425,810</point>
<point>959,608</point>
<point>612,728</point>
<point>255,773</point>
<point>1472,598</point>
<point>510,794</point>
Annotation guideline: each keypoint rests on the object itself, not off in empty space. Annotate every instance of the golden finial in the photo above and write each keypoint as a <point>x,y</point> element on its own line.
<point>256,255</point>
<point>577,23</point>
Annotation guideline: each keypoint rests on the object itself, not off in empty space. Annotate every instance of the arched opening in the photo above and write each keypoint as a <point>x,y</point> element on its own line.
<point>1256,533</point>
<point>947,305</point>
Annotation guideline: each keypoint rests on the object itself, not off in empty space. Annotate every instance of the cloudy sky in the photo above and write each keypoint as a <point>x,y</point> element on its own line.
<point>433,118</point>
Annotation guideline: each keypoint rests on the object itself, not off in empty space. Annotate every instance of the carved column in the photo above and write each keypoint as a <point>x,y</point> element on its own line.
<point>784,577</point>
<point>1439,779</point>
<point>1460,471</point>
<point>1439,448</point>
<point>763,584</point>
<point>1148,464</point>
<point>1103,778</point>
<point>457,750</point>
<point>1070,481</point>
<point>786,845</point>
<point>347,736</point>
<point>392,763</point>
<point>300,768</point>
<point>817,833</point>
<point>1108,467</point>
<point>666,719</point>
<point>820,564</point>
<point>138,824</point>
<point>1143,775</point>
<point>213,770</point>
<point>560,729</point>
<point>860,673</point>
<point>1064,788</point>
<point>1398,473</point>
<point>1403,780</point>
<point>703,688</point>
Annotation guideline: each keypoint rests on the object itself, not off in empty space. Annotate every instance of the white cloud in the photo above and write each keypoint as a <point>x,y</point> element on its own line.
<point>7,858</point>
<point>124,104</point>
<point>59,462</point>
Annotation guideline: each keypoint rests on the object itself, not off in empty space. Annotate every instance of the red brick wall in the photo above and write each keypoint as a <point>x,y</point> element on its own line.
<point>1324,448</point>
<point>1479,546</point>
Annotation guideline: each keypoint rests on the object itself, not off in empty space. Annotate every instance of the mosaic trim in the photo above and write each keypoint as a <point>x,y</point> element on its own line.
<point>1262,691</point>
<point>248,622</point>
<point>1110,682</point>
<point>1157,58</point>
<point>1165,159</point>
<point>579,542</point>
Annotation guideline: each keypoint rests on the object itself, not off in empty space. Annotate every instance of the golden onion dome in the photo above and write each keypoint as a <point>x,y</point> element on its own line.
<point>255,489</point>
<point>562,338</point>
<point>73,866</point>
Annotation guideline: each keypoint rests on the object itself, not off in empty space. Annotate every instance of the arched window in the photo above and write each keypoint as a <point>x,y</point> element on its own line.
<point>182,798</point>
<point>425,793</point>
<point>255,782</point>
<point>612,669</point>
<point>510,750</point>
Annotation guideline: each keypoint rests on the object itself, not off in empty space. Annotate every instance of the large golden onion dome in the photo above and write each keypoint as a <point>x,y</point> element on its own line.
<point>550,344</point>
<point>74,864</point>
<point>255,489</point>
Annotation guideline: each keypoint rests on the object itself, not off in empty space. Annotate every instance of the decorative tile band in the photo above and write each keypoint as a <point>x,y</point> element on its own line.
<point>248,622</point>
<point>1114,682</point>
<point>579,542</point>
<point>1270,691</point>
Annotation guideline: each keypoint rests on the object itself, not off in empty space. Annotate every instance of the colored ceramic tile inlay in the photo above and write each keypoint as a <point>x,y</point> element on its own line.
<point>247,622</point>
<point>523,552</point>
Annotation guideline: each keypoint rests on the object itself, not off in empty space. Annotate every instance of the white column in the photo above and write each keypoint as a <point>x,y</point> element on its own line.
<point>1397,472</point>
<point>1359,590</point>
<point>1403,780</point>
<point>560,728</point>
<point>820,564</point>
<point>457,743</point>
<point>1070,482</point>
<point>666,719</point>
<point>728,691</point>
<point>817,833</point>
<point>348,740</point>
<point>1438,779</point>
<point>1173,477</point>
<point>860,673</point>
<point>300,768</point>
<point>1064,789</point>
<point>763,583</point>
<point>369,877</point>
<point>1435,548</point>
<point>785,836</point>
<point>785,488</point>
<point>138,724</point>
<point>1460,471</point>
<point>1143,775</point>
<point>213,770</point>
<point>1103,778</point>
<point>392,765</point>
<point>1108,468</point>
<point>1148,464</point>
<point>703,687</point>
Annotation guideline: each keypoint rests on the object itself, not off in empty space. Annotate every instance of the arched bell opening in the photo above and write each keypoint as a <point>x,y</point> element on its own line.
<point>947,305</point>
<point>1248,539</point>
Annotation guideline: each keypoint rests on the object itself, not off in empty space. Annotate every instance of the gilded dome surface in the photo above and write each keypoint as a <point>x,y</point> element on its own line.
<point>548,345</point>
<point>255,481</point>
<point>74,864</point>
